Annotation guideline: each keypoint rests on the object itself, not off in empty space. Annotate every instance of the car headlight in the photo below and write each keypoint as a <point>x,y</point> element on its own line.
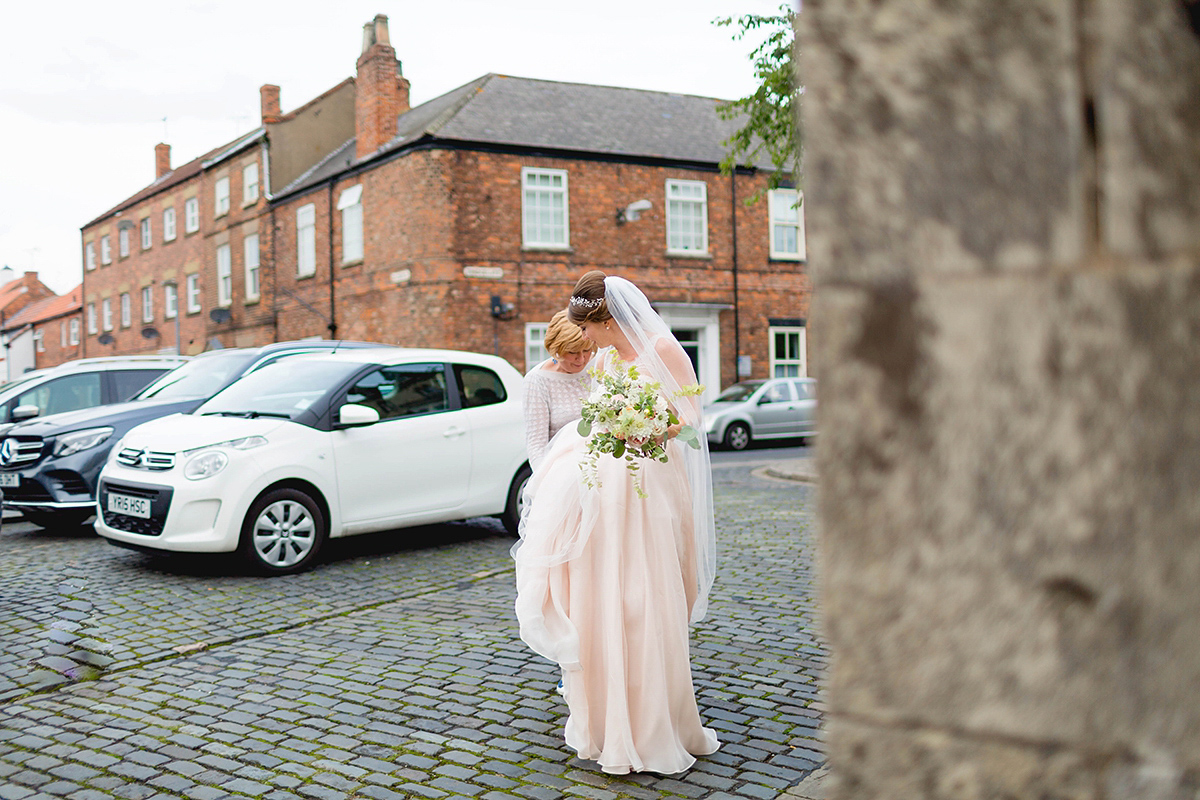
<point>81,440</point>
<point>243,443</point>
<point>205,465</point>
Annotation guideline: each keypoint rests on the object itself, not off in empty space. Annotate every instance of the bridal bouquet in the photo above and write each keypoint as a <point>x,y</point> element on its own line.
<point>626,416</point>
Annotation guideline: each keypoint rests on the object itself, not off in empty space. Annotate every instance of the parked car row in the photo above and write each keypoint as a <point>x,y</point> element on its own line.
<point>271,451</point>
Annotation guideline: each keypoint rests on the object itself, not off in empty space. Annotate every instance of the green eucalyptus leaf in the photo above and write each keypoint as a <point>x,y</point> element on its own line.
<point>584,427</point>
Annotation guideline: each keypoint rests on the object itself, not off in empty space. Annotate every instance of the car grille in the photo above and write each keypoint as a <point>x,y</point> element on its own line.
<point>16,452</point>
<point>134,458</point>
<point>160,504</point>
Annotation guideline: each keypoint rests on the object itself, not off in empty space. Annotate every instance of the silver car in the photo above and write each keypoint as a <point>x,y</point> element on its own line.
<point>770,409</point>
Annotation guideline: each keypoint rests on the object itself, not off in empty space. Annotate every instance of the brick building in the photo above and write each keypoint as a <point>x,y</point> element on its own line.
<point>16,294</point>
<point>465,221</point>
<point>45,333</point>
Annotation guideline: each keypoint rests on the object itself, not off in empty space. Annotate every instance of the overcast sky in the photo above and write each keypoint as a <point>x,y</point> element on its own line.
<point>86,84</point>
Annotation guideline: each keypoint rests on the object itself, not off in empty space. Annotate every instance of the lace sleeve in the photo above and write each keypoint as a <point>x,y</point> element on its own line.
<point>535,402</point>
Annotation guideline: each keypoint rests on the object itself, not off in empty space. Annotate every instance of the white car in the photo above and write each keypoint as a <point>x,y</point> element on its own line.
<point>322,446</point>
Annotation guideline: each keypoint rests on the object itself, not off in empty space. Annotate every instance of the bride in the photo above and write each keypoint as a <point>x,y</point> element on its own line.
<point>607,582</point>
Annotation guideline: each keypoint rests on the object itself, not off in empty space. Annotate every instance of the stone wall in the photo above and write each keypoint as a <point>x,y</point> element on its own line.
<point>1004,232</point>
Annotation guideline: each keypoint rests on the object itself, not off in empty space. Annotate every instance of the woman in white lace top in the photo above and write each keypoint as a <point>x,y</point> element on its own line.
<point>554,389</point>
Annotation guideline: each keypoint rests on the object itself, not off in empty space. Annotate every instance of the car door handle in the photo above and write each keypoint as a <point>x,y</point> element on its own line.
<point>450,433</point>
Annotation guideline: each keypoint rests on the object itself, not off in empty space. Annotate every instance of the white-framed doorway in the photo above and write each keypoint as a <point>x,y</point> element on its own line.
<point>697,327</point>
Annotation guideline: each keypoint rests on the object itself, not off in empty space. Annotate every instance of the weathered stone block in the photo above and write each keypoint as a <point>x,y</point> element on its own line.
<point>941,141</point>
<point>1009,469</point>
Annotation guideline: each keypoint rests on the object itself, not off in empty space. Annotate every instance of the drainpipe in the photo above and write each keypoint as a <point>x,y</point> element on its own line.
<point>332,308</point>
<point>737,324</point>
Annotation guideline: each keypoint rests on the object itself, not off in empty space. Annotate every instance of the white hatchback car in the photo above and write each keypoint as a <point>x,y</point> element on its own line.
<point>319,446</point>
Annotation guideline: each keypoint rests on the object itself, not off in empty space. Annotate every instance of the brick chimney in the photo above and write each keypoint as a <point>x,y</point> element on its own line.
<point>270,103</point>
<point>162,160</point>
<point>380,92</point>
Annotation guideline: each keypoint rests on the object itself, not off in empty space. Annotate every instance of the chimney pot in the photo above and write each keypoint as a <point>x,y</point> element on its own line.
<point>162,160</point>
<point>270,103</point>
<point>380,91</point>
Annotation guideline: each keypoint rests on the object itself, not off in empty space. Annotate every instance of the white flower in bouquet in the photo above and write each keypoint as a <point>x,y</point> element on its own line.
<point>627,416</point>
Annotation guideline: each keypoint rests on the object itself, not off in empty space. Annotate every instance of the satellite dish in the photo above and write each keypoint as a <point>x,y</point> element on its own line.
<point>220,315</point>
<point>150,332</point>
<point>105,338</point>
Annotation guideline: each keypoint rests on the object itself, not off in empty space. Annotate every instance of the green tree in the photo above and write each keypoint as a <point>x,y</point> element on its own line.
<point>770,111</point>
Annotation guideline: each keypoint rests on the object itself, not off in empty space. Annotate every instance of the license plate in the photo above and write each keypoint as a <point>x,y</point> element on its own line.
<point>9,480</point>
<point>129,506</point>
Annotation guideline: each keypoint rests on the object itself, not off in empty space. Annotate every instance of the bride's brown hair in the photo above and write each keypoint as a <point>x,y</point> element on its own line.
<point>587,302</point>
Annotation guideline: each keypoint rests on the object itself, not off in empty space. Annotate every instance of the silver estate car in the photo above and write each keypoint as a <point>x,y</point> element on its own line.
<point>772,409</point>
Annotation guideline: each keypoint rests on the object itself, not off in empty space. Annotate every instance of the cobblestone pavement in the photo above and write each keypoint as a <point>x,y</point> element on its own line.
<point>392,670</point>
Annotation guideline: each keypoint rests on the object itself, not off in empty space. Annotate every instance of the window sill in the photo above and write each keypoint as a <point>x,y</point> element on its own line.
<point>547,248</point>
<point>222,214</point>
<point>192,313</point>
<point>249,203</point>
<point>690,254</point>
<point>787,259</point>
<point>168,241</point>
<point>356,262</point>
<point>251,301</point>
<point>307,277</point>
<point>191,233</point>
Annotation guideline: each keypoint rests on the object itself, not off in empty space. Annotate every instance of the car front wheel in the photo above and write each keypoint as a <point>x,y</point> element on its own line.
<point>516,500</point>
<point>283,532</point>
<point>737,436</point>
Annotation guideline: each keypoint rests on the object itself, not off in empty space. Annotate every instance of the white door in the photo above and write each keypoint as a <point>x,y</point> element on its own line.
<point>414,462</point>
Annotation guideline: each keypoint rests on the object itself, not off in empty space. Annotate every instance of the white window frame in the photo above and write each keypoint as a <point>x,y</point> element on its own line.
<point>91,318</point>
<point>221,197</point>
<point>169,224</point>
<point>147,233</point>
<point>681,195</point>
<point>535,344</point>
<point>123,242</point>
<point>62,333</point>
<point>193,293</point>
<point>786,209</point>
<point>89,255</point>
<point>39,343</point>
<point>106,313</point>
<point>250,184</point>
<point>537,202</point>
<point>251,260</point>
<point>350,204</point>
<point>126,310</point>
<point>170,300</point>
<point>191,215</point>
<point>73,328</point>
<point>224,276</point>
<point>306,241</point>
<point>147,304</point>
<point>105,249</point>
<point>787,366</point>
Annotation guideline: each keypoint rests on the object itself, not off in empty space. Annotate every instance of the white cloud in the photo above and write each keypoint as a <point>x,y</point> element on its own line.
<point>87,84</point>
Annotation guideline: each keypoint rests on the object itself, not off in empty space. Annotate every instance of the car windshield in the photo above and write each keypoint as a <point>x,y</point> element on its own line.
<point>738,392</point>
<point>201,377</point>
<point>284,389</point>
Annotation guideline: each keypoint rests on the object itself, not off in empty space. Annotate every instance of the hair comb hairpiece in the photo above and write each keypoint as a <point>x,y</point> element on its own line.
<point>583,302</point>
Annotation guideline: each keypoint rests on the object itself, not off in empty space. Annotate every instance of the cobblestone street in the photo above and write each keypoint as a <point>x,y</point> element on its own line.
<point>392,670</point>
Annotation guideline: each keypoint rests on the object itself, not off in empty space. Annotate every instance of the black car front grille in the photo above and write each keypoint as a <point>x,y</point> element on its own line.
<point>19,451</point>
<point>28,491</point>
<point>160,504</point>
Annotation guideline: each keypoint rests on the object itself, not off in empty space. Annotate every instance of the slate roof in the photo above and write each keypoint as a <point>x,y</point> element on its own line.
<point>48,308</point>
<point>526,112</point>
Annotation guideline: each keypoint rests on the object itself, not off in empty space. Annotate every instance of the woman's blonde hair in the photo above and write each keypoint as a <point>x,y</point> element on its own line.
<point>564,337</point>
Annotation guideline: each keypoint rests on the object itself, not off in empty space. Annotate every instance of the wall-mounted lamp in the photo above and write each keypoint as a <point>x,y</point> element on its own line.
<point>631,212</point>
<point>501,309</point>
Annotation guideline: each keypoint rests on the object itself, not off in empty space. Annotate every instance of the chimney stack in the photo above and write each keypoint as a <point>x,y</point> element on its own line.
<point>162,160</point>
<point>380,91</point>
<point>270,104</point>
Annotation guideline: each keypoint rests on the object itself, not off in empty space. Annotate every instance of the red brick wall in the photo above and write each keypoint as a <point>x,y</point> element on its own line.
<point>57,348</point>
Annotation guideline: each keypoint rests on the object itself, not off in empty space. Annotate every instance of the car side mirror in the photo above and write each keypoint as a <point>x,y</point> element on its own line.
<point>355,414</point>
<point>25,412</point>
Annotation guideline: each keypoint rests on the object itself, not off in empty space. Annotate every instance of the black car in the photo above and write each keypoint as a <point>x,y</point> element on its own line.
<point>49,465</point>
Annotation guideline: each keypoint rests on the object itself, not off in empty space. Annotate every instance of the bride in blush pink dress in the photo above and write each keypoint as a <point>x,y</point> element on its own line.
<point>608,582</point>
